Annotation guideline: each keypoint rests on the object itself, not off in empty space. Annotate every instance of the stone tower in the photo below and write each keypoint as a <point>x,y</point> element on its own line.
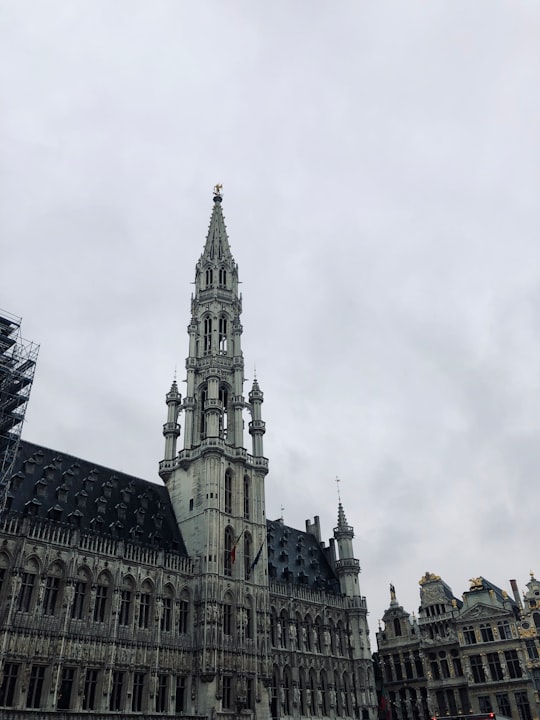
<point>217,487</point>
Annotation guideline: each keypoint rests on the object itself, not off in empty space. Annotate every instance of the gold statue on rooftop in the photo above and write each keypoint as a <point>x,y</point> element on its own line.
<point>218,188</point>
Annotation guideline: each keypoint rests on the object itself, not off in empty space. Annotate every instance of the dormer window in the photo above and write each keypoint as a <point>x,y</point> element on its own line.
<point>101,505</point>
<point>61,492</point>
<point>107,489</point>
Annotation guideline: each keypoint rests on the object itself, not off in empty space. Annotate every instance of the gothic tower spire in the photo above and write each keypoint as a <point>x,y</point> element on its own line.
<point>216,487</point>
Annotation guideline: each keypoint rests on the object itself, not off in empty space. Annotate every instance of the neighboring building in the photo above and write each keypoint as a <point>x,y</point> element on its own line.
<point>474,655</point>
<point>120,597</point>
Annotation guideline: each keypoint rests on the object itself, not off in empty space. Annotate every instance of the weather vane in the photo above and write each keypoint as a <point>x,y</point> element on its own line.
<point>218,188</point>
<point>337,485</point>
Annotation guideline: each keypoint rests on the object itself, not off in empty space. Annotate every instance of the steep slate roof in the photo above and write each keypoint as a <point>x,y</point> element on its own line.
<point>297,557</point>
<point>51,485</point>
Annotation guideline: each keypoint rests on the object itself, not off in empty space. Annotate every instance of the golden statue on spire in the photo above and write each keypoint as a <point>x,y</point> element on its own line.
<point>218,188</point>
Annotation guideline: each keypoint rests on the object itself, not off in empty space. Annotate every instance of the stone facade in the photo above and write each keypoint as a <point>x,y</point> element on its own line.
<point>121,597</point>
<point>460,656</point>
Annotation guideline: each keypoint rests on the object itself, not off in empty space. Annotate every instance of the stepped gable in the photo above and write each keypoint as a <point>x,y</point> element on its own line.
<point>50,485</point>
<point>297,557</point>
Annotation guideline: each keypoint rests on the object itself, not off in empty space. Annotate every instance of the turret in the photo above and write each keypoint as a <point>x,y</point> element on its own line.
<point>257,427</point>
<point>347,567</point>
<point>171,429</point>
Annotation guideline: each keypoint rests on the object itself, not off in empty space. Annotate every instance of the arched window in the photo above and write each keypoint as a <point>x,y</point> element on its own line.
<point>167,609</point>
<point>312,693</point>
<point>103,597</point>
<point>222,335</point>
<point>248,555</point>
<point>54,586</point>
<point>324,693</point>
<point>209,277</point>
<point>397,627</point>
<point>228,615</point>
<point>346,694</point>
<point>249,617</point>
<point>227,552</point>
<point>127,593</point>
<point>246,496</point>
<point>224,399</point>
<point>27,591</point>
<point>339,703</point>
<point>273,627</point>
<point>317,633</point>
<point>81,594</point>
<point>283,628</point>
<point>228,492</point>
<point>536,618</point>
<point>287,687</point>
<point>202,414</point>
<point>222,277</point>
<point>303,688</point>
<point>207,335</point>
<point>339,638</point>
<point>307,636</point>
<point>146,602</point>
<point>183,613</point>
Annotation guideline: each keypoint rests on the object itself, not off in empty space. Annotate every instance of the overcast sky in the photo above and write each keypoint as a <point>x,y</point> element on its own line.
<point>381,175</point>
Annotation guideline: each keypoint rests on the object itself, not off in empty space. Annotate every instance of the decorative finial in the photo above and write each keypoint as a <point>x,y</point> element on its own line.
<point>392,592</point>
<point>282,509</point>
<point>217,190</point>
<point>337,485</point>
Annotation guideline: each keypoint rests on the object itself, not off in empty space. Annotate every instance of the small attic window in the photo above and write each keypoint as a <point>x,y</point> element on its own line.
<point>101,505</point>
<point>107,489</point>
<point>58,460</point>
<point>48,472</point>
<point>125,494</point>
<point>16,481</point>
<point>140,515</point>
<point>55,513</point>
<point>97,522</point>
<point>272,570</point>
<point>121,510</point>
<point>62,492</point>
<point>75,518</point>
<point>88,482</point>
<point>158,520</point>
<point>80,498</point>
<point>40,488</point>
<point>114,481</point>
<point>299,560</point>
<point>32,507</point>
<point>143,499</point>
<point>135,532</point>
<point>302,577</point>
<point>29,466</point>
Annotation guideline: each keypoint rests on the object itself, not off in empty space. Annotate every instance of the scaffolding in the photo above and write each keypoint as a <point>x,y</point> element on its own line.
<point>17,366</point>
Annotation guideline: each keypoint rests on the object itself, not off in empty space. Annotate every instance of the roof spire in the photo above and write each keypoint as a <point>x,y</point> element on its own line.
<point>217,243</point>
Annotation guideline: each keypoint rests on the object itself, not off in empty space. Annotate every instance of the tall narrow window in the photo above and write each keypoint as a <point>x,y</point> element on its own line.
<point>117,690</point>
<point>477,668</point>
<point>248,553</point>
<point>138,692</point>
<point>145,605</point>
<point>90,686</point>
<point>207,344</point>
<point>228,550</point>
<point>246,497</point>
<point>126,603</point>
<point>209,277</point>
<point>202,414</point>
<point>9,681</point>
<point>66,688</point>
<point>180,700</point>
<point>50,596</point>
<point>224,399</point>
<point>28,582</point>
<point>35,686</point>
<point>161,699</point>
<point>228,493</point>
<point>166,617</point>
<point>227,693</point>
<point>80,596</point>
<point>102,598</point>
<point>222,335</point>
<point>222,277</point>
<point>228,619</point>
<point>183,614</point>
